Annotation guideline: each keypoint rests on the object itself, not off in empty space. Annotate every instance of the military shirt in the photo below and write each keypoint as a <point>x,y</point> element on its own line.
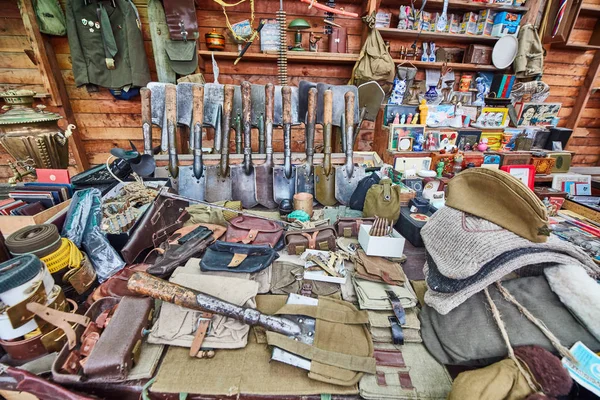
<point>103,35</point>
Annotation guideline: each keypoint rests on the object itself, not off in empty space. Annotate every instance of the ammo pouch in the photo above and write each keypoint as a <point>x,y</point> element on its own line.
<point>183,56</point>
<point>342,350</point>
<point>253,230</point>
<point>288,278</point>
<point>237,257</point>
<point>383,200</point>
<point>315,239</point>
<point>349,227</point>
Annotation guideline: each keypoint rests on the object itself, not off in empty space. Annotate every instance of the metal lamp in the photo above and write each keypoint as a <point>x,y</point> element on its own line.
<point>299,24</point>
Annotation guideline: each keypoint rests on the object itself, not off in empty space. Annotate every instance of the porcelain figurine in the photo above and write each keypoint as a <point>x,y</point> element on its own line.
<point>423,110</point>
<point>439,169</point>
<point>482,89</point>
<point>418,142</point>
<point>398,91</point>
<point>415,119</point>
<point>396,119</point>
<point>483,145</point>
<point>313,42</point>
<point>409,118</point>
<point>430,142</point>
<point>403,119</point>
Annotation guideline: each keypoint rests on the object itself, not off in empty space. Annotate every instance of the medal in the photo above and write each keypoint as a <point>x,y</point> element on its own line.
<point>90,24</point>
<point>84,21</point>
<point>97,25</point>
<point>92,30</point>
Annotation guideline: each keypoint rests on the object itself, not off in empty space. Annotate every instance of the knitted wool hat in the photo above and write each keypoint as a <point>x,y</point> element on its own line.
<point>500,198</point>
<point>465,254</point>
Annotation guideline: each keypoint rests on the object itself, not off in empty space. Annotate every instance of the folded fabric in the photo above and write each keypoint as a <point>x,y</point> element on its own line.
<point>501,198</point>
<point>465,254</point>
<point>578,292</point>
<point>380,327</point>
<point>469,335</point>
<point>176,326</point>
<point>373,296</point>
<point>263,278</point>
<point>237,257</point>
<point>347,288</point>
<point>503,380</point>
<point>288,278</point>
<point>378,269</point>
<point>405,372</point>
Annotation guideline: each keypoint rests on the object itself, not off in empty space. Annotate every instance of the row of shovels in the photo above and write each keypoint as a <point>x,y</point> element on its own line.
<point>267,184</point>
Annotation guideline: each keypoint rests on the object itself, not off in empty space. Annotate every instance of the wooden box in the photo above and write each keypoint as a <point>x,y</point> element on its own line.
<point>12,223</point>
<point>478,54</point>
<point>448,160</point>
<point>515,158</point>
<point>475,158</point>
<point>543,165</point>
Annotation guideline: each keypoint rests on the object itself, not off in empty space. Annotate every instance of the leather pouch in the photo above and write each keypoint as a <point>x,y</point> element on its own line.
<point>338,40</point>
<point>164,217</point>
<point>116,348</point>
<point>181,19</point>
<point>237,257</point>
<point>349,227</point>
<point>288,278</point>
<point>251,230</point>
<point>378,269</point>
<point>315,239</point>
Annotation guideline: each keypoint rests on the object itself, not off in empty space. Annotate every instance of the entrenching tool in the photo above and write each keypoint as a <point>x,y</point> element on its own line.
<point>324,175</point>
<point>171,121</point>
<point>305,180</point>
<point>148,285</point>
<point>218,181</point>
<point>303,88</point>
<point>284,177</point>
<point>192,178</point>
<point>348,175</point>
<point>244,186</point>
<point>236,115</point>
<point>213,110</point>
<point>338,120</point>
<point>146,97</point>
<point>294,117</point>
<point>264,173</point>
<point>370,97</point>
<point>258,114</point>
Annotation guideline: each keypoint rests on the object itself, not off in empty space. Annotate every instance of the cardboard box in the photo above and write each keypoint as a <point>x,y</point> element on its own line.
<point>455,23</point>
<point>469,25</point>
<point>506,23</point>
<point>383,19</point>
<point>382,246</point>
<point>485,23</point>
<point>12,223</point>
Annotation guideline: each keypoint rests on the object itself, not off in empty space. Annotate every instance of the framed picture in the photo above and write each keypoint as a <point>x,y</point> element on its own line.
<point>405,143</point>
<point>466,140</point>
<point>538,114</point>
<point>398,131</point>
<point>524,173</point>
<point>432,141</point>
<point>491,117</point>
<point>269,35</point>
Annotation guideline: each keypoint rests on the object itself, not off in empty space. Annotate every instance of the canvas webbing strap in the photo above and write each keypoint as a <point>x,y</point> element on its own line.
<point>313,353</point>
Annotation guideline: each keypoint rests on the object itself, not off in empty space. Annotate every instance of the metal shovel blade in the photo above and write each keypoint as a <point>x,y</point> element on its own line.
<point>284,177</point>
<point>303,88</point>
<point>324,186</point>
<point>339,91</point>
<point>213,108</point>
<point>283,187</point>
<point>370,98</point>
<point>192,178</point>
<point>191,187</point>
<point>219,187</point>
<point>305,180</point>
<point>264,173</point>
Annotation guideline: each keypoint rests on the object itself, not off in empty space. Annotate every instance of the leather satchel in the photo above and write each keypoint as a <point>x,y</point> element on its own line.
<point>252,230</point>
<point>349,227</point>
<point>181,19</point>
<point>237,257</point>
<point>322,238</point>
<point>164,217</point>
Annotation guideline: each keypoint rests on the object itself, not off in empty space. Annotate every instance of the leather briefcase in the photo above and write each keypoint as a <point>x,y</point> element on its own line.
<point>164,217</point>
<point>252,230</point>
<point>338,40</point>
<point>237,257</point>
<point>315,239</point>
<point>349,227</point>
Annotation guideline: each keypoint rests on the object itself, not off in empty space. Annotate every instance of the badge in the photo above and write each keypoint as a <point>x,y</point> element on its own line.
<point>84,21</point>
<point>97,25</point>
<point>420,217</point>
<point>90,23</point>
<point>92,30</point>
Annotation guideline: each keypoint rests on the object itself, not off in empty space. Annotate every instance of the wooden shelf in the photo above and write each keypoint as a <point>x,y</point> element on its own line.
<point>461,5</point>
<point>576,46</point>
<point>454,66</point>
<point>292,56</point>
<point>592,10</point>
<point>429,36</point>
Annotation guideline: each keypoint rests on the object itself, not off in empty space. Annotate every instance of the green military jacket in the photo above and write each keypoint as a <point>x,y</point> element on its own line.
<point>107,48</point>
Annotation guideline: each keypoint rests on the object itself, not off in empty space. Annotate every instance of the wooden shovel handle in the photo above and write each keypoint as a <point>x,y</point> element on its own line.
<point>226,128</point>
<point>171,114</point>
<point>349,99</point>
<point>269,112</point>
<point>311,119</point>
<point>327,118</point>
<point>145,94</point>
<point>198,118</point>
<point>151,286</point>
<point>327,107</point>
<point>286,95</point>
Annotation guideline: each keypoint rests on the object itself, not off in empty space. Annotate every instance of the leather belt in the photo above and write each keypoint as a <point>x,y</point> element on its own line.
<point>82,278</point>
<point>40,240</point>
<point>398,319</point>
<point>204,322</point>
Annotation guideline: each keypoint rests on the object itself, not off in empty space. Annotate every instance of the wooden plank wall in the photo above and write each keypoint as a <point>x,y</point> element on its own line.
<point>105,122</point>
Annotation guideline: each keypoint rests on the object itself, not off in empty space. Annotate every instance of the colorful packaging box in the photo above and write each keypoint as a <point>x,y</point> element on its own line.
<point>454,20</point>
<point>426,21</point>
<point>470,20</point>
<point>506,23</point>
<point>383,19</point>
<point>485,23</point>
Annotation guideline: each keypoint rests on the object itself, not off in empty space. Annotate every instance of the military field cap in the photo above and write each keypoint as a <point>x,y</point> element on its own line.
<point>502,199</point>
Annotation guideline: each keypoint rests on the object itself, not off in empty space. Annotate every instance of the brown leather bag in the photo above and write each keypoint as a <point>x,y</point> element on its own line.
<point>181,19</point>
<point>252,230</point>
<point>349,227</point>
<point>338,40</point>
<point>164,217</point>
<point>322,238</point>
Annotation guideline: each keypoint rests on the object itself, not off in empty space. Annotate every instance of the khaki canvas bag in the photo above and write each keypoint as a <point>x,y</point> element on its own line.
<point>383,200</point>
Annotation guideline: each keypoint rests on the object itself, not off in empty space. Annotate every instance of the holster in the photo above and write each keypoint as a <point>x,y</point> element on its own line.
<point>252,230</point>
<point>181,19</point>
<point>178,255</point>
<point>237,257</point>
<point>349,227</point>
<point>164,217</point>
<point>315,239</point>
